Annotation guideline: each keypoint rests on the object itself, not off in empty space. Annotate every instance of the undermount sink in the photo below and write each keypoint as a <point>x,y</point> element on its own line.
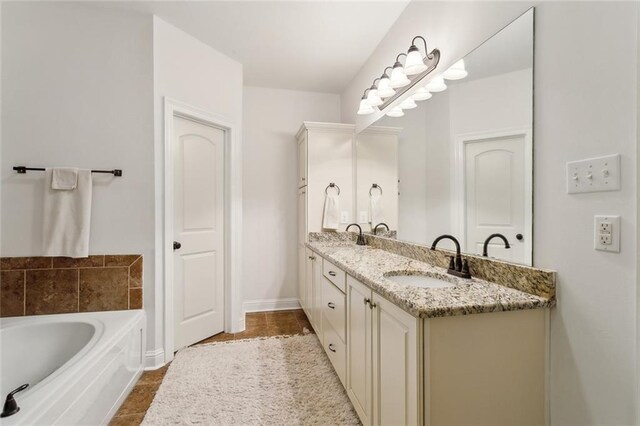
<point>417,280</point>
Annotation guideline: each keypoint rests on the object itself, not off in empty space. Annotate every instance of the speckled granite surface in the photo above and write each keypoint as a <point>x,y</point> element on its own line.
<point>370,265</point>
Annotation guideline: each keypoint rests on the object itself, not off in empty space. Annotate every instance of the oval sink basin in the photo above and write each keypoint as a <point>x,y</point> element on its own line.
<point>421,281</point>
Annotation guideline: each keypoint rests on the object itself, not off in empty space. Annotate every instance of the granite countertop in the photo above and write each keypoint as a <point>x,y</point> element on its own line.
<point>468,296</point>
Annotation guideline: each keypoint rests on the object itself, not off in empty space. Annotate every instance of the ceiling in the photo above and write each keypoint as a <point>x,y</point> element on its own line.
<point>301,45</point>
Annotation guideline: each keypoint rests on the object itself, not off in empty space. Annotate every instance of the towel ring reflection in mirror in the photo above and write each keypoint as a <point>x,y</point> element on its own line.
<point>331,185</point>
<point>375,185</point>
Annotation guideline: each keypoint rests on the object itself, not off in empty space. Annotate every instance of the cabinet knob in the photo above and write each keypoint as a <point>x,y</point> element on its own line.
<point>331,305</point>
<point>367,301</point>
<point>333,274</point>
<point>373,305</point>
<point>331,347</point>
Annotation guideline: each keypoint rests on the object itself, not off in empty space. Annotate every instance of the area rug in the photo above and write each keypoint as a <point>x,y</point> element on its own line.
<point>272,381</point>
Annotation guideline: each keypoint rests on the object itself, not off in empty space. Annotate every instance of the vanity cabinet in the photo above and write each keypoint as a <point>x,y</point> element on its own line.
<point>312,299</point>
<point>383,359</point>
<point>334,314</point>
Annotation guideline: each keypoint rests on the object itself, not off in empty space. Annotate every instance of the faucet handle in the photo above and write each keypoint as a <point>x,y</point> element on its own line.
<point>452,264</point>
<point>465,266</point>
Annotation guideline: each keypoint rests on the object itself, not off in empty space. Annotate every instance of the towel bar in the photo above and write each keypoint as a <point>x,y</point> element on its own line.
<point>23,170</point>
<point>375,185</point>
<point>331,185</point>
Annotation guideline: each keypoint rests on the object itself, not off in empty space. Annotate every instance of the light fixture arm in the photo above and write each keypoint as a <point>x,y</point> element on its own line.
<point>413,43</point>
<point>398,57</point>
<point>374,85</point>
<point>384,73</point>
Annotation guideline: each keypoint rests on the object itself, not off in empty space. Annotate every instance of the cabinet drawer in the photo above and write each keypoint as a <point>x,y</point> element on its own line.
<point>333,307</point>
<point>334,274</point>
<point>336,350</point>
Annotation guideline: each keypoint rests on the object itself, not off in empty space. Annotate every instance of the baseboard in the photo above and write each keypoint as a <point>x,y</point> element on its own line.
<point>153,359</point>
<point>270,305</point>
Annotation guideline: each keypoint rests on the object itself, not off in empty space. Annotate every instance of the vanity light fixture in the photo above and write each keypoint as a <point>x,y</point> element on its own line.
<point>408,104</point>
<point>384,85</point>
<point>398,75</point>
<point>422,94</point>
<point>395,112</point>
<point>436,85</point>
<point>372,98</point>
<point>456,71</point>
<point>365,108</point>
<point>414,63</point>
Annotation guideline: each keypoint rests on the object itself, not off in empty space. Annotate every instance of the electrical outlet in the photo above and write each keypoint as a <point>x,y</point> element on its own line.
<point>364,217</point>
<point>607,233</point>
<point>344,217</point>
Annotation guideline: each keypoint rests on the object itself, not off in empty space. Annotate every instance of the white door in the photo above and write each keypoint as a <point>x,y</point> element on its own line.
<point>497,196</point>
<point>198,286</point>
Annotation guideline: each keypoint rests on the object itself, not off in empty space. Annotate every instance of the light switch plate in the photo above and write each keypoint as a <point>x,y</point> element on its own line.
<point>607,233</point>
<point>344,217</point>
<point>594,174</point>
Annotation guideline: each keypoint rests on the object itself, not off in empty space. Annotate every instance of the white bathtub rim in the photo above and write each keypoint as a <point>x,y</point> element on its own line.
<point>85,357</point>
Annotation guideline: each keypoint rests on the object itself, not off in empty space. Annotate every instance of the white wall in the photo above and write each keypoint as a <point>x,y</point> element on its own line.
<point>593,336</point>
<point>77,87</point>
<point>189,71</point>
<point>270,122</point>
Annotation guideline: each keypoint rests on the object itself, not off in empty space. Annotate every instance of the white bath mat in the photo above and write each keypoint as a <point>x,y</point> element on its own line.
<point>274,381</point>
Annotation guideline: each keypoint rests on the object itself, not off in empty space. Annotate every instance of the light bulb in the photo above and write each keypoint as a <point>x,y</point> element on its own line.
<point>365,108</point>
<point>384,87</point>
<point>395,112</point>
<point>421,94</point>
<point>398,76</point>
<point>414,63</point>
<point>457,71</point>
<point>373,99</point>
<point>408,104</point>
<point>436,85</point>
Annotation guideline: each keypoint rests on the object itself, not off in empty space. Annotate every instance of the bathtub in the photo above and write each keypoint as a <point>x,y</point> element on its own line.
<point>80,367</point>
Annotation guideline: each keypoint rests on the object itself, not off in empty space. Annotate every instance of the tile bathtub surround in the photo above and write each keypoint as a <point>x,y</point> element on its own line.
<point>55,285</point>
<point>534,281</point>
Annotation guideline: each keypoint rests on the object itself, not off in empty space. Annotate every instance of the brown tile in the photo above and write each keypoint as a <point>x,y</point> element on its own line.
<point>252,332</point>
<point>120,259</point>
<point>135,274</point>
<point>135,298</point>
<point>25,263</point>
<point>11,293</point>
<point>280,316</point>
<point>51,291</point>
<point>300,315</point>
<point>284,329</point>
<point>85,262</point>
<point>255,319</point>
<point>220,337</point>
<point>306,324</point>
<point>104,289</point>
<point>130,420</point>
<point>139,400</point>
<point>153,376</point>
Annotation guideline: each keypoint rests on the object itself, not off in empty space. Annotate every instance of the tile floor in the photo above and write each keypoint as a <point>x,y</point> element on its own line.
<point>259,324</point>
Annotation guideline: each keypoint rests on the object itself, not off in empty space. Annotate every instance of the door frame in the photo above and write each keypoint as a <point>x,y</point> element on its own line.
<point>458,213</point>
<point>233,315</point>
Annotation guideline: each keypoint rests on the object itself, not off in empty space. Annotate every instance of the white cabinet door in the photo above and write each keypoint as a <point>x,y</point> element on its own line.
<point>359,346</point>
<point>302,237</point>
<point>302,162</point>
<point>317,294</point>
<point>395,364</point>
<point>308,285</point>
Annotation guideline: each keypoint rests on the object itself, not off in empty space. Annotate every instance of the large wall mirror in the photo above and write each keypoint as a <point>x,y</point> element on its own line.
<point>464,156</point>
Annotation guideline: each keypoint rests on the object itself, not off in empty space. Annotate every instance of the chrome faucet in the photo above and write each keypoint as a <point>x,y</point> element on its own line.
<point>375,228</point>
<point>457,267</point>
<point>491,237</point>
<point>360,240</point>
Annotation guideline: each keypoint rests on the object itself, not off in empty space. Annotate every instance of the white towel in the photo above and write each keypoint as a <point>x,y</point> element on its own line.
<point>331,217</point>
<point>376,210</point>
<point>67,217</point>
<point>64,178</point>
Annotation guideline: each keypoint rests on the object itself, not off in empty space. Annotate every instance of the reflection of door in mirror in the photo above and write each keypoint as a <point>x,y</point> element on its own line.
<point>494,193</point>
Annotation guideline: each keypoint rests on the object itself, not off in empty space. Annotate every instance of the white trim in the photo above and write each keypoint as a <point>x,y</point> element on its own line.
<point>458,209</point>
<point>547,367</point>
<point>154,359</point>
<point>270,305</point>
<point>233,218</point>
